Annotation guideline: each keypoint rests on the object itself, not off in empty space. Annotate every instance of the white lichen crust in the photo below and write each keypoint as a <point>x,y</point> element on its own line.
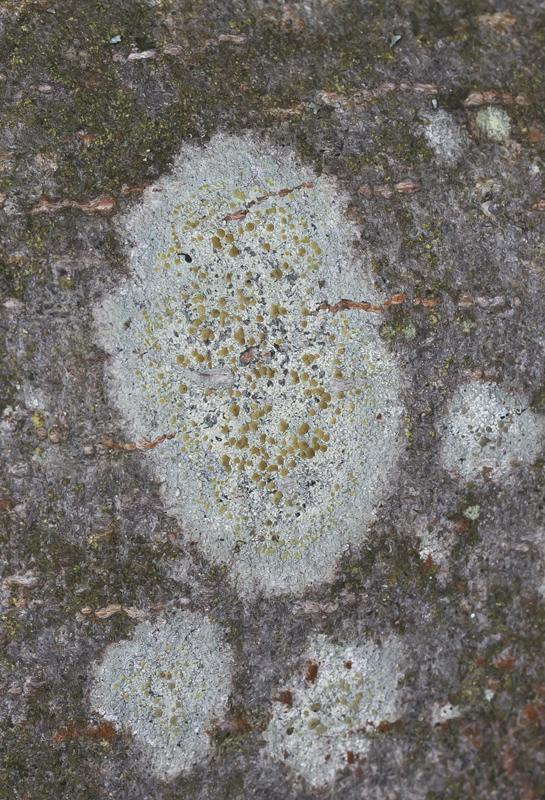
<point>334,710</point>
<point>447,139</point>
<point>486,432</point>
<point>284,411</point>
<point>166,686</point>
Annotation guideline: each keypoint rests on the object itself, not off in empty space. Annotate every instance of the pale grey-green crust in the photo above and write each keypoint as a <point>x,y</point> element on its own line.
<point>494,123</point>
<point>487,432</point>
<point>448,140</point>
<point>323,716</point>
<point>283,409</point>
<point>165,686</point>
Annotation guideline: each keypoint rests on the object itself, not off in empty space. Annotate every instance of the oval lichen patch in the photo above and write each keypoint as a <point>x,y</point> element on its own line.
<point>165,686</point>
<point>285,413</point>
<point>487,432</point>
<point>345,694</point>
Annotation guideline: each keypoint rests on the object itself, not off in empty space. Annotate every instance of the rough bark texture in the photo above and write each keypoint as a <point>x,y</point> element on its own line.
<point>430,117</point>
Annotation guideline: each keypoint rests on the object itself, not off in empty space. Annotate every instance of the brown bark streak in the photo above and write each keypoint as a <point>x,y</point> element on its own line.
<point>135,445</point>
<point>241,213</point>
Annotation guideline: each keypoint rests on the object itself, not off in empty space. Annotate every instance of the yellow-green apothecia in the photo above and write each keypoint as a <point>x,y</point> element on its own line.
<point>343,693</point>
<point>285,415</point>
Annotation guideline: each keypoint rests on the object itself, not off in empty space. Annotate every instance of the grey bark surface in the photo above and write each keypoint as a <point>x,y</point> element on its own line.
<point>429,118</point>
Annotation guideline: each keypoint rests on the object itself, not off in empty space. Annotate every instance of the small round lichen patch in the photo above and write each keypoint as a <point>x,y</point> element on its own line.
<point>322,717</point>
<point>284,409</point>
<point>165,686</point>
<point>486,432</point>
<point>494,123</point>
<point>447,139</point>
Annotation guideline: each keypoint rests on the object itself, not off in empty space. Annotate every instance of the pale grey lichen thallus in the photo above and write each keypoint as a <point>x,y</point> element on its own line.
<point>486,432</point>
<point>447,139</point>
<point>166,686</point>
<point>324,717</point>
<point>494,123</point>
<point>285,410</point>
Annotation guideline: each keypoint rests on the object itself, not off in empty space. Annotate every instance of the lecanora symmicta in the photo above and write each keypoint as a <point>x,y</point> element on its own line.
<point>285,413</point>
<point>343,696</point>
<point>487,431</point>
<point>166,685</point>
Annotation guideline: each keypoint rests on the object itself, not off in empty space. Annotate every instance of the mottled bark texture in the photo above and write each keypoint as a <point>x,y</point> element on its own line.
<point>142,654</point>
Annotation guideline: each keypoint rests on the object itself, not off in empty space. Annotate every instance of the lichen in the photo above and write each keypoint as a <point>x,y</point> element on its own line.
<point>443,712</point>
<point>487,431</point>
<point>447,140</point>
<point>322,718</point>
<point>285,413</point>
<point>433,546</point>
<point>494,123</point>
<point>166,685</point>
